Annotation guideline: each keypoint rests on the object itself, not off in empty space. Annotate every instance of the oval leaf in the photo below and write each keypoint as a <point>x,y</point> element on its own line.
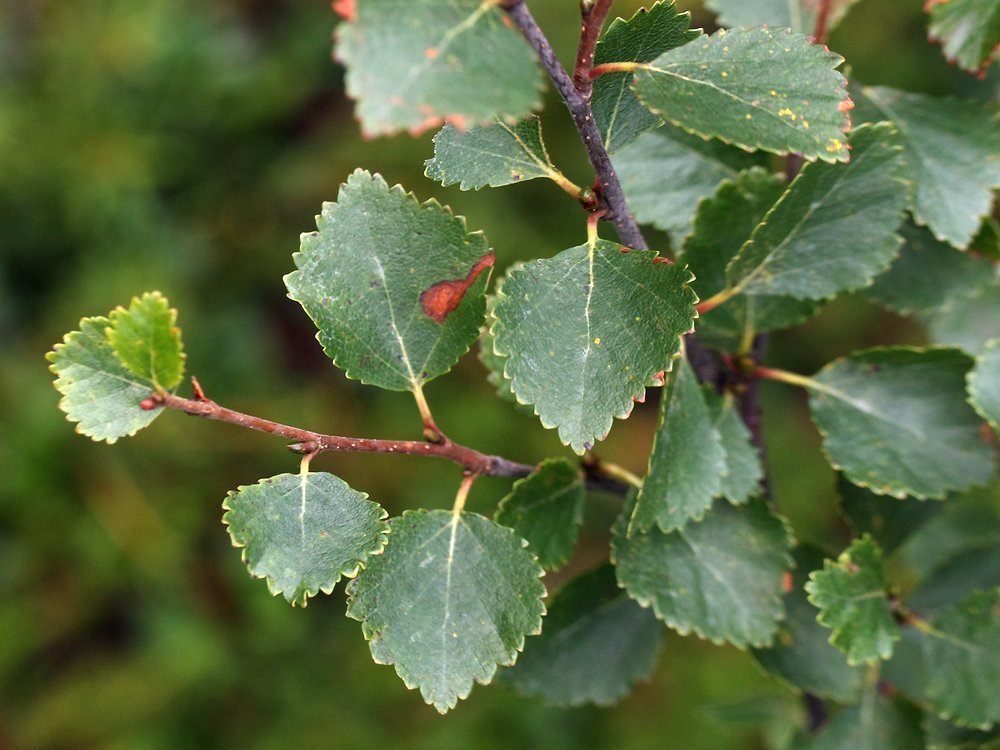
<point>147,341</point>
<point>451,597</point>
<point>302,532</point>
<point>395,287</point>
<point>585,332</point>
<point>757,88</point>
<point>895,420</point>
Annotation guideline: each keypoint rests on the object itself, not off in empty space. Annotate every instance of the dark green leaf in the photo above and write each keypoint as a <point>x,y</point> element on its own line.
<point>687,462</point>
<point>969,30</point>
<point>302,532</point>
<point>799,15</point>
<point>720,577</point>
<point>942,735</point>
<point>410,65</point>
<point>984,384</point>
<point>499,154</point>
<point>950,148</point>
<point>895,420</point>
<point>744,470</point>
<point>596,644</point>
<point>801,653</point>
<point>147,341</point>
<point>834,228</point>
<point>395,287</point>
<point>667,172</point>
<point>877,723</point>
<point>756,88</point>
<point>972,569</point>
<point>451,597</point>
<point>850,595</point>
<point>889,521</point>
<point>98,392</point>
<point>546,508</point>
<point>642,38</point>
<point>969,321</point>
<point>585,332</point>
<point>928,275</point>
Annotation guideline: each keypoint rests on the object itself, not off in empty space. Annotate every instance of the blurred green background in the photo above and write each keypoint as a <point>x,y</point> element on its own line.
<point>183,146</point>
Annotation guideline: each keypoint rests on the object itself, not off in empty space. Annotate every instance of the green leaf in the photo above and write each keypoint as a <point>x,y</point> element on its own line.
<point>962,660</point>
<point>927,275</point>
<point>687,462</point>
<point>98,392</point>
<point>720,577</point>
<point>644,37</point>
<point>499,154</point>
<point>722,226</point>
<point>743,468</point>
<point>546,509</point>
<point>799,15</point>
<point>596,644</point>
<point>801,654</point>
<point>147,341</point>
<point>585,332</point>
<point>667,172</point>
<point>889,521</point>
<point>975,568</point>
<point>877,723</point>
<point>968,29</point>
<point>950,148</point>
<point>302,532</point>
<point>942,735</point>
<point>969,321</point>
<point>411,65</point>
<point>756,88</point>
<point>395,287</point>
<point>451,597</point>
<point>834,228</point>
<point>850,595</point>
<point>984,384</point>
<point>895,420</point>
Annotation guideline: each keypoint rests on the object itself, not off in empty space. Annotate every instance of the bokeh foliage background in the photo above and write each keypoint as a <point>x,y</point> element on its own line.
<point>182,146</point>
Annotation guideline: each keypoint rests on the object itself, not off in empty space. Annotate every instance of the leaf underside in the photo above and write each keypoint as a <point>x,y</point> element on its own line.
<point>969,31</point>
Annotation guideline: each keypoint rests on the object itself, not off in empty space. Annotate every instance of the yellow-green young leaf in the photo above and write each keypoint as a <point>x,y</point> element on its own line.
<point>147,341</point>
<point>302,532</point>
<point>952,156</point>
<point>928,275</point>
<point>743,469</point>
<point>411,65</point>
<point>834,229</point>
<point>850,595</point>
<point>798,15</point>
<point>666,173</point>
<point>395,287</point>
<point>961,654</point>
<point>687,462</point>
<point>984,384</point>
<point>596,644</point>
<point>644,37</point>
<point>757,88</point>
<point>876,723</point>
<point>801,654</point>
<point>895,420</point>
<point>452,596</point>
<point>720,577</point>
<point>722,226</point>
<point>585,332</point>
<point>494,155</point>
<point>98,392</point>
<point>546,509</point>
<point>969,31</point>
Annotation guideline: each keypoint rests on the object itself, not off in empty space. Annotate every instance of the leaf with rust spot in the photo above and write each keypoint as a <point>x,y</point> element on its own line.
<point>439,300</point>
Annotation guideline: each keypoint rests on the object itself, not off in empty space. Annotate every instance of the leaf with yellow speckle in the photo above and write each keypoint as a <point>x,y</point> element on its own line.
<point>758,88</point>
<point>585,332</point>
<point>412,65</point>
<point>302,532</point>
<point>452,596</point>
<point>896,420</point>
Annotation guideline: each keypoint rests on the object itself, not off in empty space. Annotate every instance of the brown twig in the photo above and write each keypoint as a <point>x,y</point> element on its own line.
<point>822,21</point>
<point>307,441</point>
<point>579,108</point>
<point>593,13</point>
